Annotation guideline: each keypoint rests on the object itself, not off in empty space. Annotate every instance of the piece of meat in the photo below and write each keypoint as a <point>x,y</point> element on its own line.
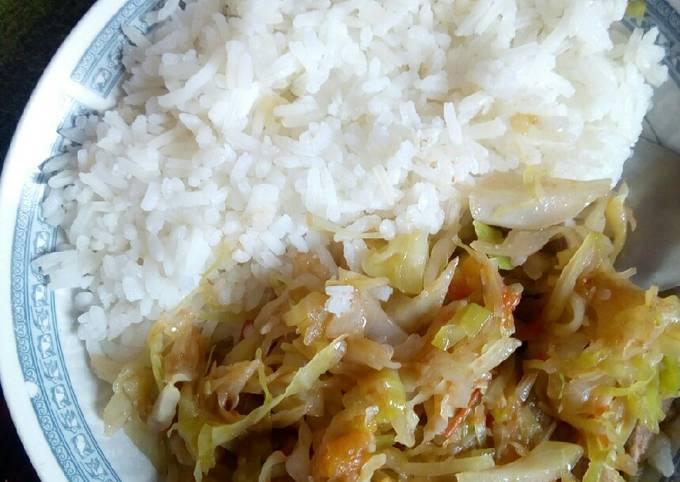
<point>666,406</point>
<point>638,443</point>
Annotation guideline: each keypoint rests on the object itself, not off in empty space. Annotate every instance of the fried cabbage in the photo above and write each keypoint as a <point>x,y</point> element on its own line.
<point>429,364</point>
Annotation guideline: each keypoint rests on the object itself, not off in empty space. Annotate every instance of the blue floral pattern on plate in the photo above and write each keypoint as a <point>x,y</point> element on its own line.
<point>100,68</point>
<point>38,346</point>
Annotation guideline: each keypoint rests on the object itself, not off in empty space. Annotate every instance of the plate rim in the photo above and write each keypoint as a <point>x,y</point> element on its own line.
<point>20,159</point>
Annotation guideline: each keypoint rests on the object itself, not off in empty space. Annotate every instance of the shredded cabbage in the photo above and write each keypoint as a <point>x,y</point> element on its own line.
<point>275,458</point>
<point>585,258</point>
<point>518,245</point>
<point>669,377</point>
<point>149,442</point>
<point>504,200</point>
<point>452,465</point>
<point>636,8</point>
<point>467,322</point>
<point>402,261</point>
<point>412,313</point>
<point>415,367</point>
<point>486,233</point>
<point>385,390</point>
<point>212,436</point>
<point>618,218</point>
<point>370,466</point>
<point>543,464</point>
<point>298,463</point>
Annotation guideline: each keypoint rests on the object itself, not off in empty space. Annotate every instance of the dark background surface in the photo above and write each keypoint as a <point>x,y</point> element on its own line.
<point>30,33</point>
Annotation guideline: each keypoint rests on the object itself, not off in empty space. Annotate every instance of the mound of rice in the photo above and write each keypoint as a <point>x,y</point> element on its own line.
<point>244,127</point>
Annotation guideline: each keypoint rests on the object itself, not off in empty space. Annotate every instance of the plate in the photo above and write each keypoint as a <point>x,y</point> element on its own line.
<point>54,399</point>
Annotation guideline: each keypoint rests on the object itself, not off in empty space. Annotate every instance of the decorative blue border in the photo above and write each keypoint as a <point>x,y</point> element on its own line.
<point>100,67</point>
<point>33,305</point>
<point>659,13</point>
<point>39,349</point>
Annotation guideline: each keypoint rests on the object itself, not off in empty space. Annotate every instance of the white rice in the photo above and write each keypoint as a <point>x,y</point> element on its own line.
<point>237,122</point>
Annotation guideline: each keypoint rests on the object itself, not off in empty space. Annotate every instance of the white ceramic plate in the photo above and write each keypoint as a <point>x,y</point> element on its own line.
<point>54,399</point>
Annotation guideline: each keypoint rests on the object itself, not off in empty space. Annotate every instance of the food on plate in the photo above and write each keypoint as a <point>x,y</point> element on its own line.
<point>369,240</point>
<point>506,359</point>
